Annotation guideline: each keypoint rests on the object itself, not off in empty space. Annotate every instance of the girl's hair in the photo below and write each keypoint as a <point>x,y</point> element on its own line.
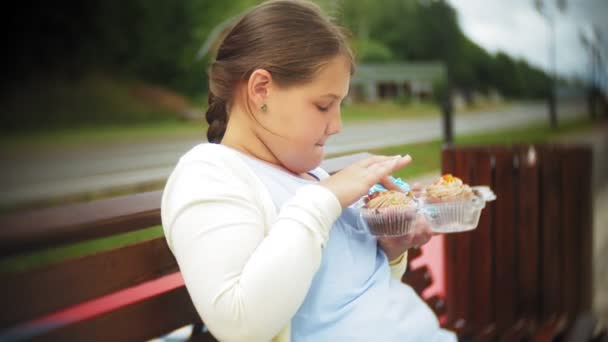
<point>291,39</point>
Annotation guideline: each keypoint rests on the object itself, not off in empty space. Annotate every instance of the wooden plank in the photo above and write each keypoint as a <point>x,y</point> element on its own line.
<point>550,328</point>
<point>550,260</point>
<point>413,253</point>
<point>448,165</point>
<point>143,320</point>
<point>437,304</point>
<point>39,229</point>
<point>528,233</point>
<point>585,224</point>
<point>51,227</point>
<point>570,231</point>
<point>30,294</point>
<point>522,330</point>
<point>419,279</point>
<point>482,254</point>
<point>505,292</point>
<point>458,254</point>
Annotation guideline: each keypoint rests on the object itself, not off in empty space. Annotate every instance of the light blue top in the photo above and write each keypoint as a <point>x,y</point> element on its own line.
<point>353,296</point>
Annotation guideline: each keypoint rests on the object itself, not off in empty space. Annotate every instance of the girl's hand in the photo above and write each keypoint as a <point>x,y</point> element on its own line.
<point>421,233</point>
<point>353,182</point>
<point>393,247</point>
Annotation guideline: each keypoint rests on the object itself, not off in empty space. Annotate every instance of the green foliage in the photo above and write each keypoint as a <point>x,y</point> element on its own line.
<point>153,41</point>
<point>157,42</point>
<point>370,51</point>
<point>50,104</point>
<point>428,30</point>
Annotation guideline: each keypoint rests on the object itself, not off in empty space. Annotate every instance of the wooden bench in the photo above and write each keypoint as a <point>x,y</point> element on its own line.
<point>134,292</point>
<point>525,272</point>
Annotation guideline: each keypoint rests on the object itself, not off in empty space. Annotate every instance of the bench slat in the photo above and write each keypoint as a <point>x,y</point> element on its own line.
<point>584,227</point>
<point>143,320</point>
<point>570,239</point>
<point>34,230</point>
<point>448,163</point>
<point>482,278</point>
<point>550,231</point>
<point>52,227</point>
<point>32,293</point>
<point>418,278</point>
<point>505,292</point>
<point>458,252</point>
<point>528,234</point>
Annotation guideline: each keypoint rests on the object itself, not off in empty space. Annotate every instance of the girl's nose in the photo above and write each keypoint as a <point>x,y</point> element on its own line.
<point>335,125</point>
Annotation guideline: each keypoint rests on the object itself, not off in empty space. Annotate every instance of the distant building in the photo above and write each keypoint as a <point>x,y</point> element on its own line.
<point>373,82</point>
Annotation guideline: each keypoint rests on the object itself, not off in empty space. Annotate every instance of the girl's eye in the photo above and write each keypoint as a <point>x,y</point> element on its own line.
<point>323,109</point>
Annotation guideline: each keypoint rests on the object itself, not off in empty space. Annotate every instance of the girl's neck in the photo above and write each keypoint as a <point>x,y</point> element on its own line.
<point>241,137</point>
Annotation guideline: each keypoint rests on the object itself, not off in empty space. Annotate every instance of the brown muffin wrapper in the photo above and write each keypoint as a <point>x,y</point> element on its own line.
<point>390,221</point>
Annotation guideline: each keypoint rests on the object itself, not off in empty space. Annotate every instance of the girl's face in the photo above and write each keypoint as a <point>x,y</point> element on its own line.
<point>303,117</point>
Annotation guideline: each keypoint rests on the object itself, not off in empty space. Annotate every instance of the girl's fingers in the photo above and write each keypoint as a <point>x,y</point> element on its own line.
<point>402,162</point>
<point>377,172</point>
<point>380,170</point>
<point>389,184</point>
<point>375,160</point>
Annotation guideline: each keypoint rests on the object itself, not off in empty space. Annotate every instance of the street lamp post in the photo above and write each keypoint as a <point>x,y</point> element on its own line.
<point>540,7</point>
<point>592,42</point>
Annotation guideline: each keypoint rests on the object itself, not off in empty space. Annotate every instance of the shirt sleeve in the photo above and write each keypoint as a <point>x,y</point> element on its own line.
<point>245,285</point>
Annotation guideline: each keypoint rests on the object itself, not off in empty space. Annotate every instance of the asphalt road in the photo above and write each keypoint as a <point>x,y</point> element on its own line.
<point>49,173</point>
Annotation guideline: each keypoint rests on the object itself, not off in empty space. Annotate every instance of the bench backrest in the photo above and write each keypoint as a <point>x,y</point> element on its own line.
<point>130,293</point>
<point>529,260</point>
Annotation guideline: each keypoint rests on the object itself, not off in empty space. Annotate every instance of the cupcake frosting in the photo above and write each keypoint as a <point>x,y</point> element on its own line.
<point>390,198</point>
<point>448,186</point>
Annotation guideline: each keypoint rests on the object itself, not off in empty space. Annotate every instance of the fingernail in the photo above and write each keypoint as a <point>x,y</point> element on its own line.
<point>408,157</point>
<point>396,156</point>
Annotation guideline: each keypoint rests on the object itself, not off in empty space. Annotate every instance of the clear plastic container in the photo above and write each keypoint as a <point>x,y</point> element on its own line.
<point>389,221</point>
<point>457,216</point>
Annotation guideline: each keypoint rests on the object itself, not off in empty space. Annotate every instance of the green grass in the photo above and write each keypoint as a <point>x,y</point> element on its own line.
<point>93,99</point>
<point>95,108</point>
<point>171,127</point>
<point>427,155</point>
<point>387,110</point>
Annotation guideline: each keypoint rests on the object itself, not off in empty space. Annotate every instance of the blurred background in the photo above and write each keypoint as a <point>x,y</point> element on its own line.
<point>99,99</point>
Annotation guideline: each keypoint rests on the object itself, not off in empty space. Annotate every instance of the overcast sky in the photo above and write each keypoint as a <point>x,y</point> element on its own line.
<point>514,26</point>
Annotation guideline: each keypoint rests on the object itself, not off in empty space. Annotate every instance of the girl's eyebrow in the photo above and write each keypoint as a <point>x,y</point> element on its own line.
<point>332,96</point>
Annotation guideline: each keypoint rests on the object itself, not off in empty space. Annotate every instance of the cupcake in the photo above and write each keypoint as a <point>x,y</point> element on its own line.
<point>389,213</point>
<point>452,206</point>
<point>390,198</point>
<point>448,189</point>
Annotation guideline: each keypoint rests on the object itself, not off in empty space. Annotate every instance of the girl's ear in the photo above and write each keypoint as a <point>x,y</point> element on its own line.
<point>258,87</point>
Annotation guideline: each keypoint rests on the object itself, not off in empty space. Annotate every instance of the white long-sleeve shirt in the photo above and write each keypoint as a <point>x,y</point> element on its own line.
<point>247,266</point>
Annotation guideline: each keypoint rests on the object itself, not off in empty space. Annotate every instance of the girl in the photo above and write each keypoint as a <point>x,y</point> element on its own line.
<point>258,229</point>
